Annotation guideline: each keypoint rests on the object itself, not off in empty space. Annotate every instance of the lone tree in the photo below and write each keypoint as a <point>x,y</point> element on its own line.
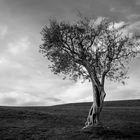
<point>89,49</point>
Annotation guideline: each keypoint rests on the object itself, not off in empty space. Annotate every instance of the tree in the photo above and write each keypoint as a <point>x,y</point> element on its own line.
<point>90,49</point>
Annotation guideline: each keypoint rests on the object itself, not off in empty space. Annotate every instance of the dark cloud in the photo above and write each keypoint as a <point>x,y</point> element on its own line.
<point>33,103</point>
<point>54,99</point>
<point>31,15</point>
<point>47,101</point>
<point>9,101</point>
<point>38,11</point>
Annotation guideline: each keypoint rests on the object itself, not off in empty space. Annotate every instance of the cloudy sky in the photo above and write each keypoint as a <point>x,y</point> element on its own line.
<point>24,75</point>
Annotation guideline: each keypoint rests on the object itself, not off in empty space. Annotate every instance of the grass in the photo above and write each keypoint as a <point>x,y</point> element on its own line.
<point>64,122</point>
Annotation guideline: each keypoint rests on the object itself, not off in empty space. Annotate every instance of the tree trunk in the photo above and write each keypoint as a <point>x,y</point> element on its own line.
<point>98,100</point>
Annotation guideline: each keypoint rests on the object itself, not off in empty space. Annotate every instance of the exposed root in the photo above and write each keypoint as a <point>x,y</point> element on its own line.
<point>94,112</point>
<point>93,117</point>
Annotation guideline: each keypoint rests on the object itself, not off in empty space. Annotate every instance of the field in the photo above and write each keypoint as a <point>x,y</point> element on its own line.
<point>64,122</point>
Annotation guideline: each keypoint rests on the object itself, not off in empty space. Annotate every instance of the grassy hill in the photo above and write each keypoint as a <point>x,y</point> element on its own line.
<point>64,122</point>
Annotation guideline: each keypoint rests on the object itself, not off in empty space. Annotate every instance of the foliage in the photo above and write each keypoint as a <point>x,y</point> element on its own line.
<point>89,47</point>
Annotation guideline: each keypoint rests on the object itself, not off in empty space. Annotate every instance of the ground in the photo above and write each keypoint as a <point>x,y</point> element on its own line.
<point>121,120</point>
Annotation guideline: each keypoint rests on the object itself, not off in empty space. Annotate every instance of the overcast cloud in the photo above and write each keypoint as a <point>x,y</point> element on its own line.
<point>24,75</point>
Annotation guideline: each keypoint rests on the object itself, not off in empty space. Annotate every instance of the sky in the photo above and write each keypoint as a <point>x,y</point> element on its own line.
<point>25,78</point>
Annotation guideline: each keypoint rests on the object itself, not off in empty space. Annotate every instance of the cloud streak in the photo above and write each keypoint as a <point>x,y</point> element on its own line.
<point>3,31</point>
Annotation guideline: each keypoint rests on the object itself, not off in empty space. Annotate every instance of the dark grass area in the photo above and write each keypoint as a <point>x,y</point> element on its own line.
<point>64,122</point>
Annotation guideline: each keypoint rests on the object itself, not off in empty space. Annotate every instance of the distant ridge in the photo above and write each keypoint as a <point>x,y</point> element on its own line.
<point>134,102</point>
<point>115,103</point>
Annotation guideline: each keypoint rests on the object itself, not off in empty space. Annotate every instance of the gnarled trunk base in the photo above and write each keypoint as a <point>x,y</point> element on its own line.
<point>95,110</point>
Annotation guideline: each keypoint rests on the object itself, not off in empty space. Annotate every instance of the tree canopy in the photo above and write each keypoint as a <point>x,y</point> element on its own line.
<point>89,48</point>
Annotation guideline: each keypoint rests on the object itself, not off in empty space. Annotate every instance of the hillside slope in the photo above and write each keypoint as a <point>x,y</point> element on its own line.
<point>64,122</point>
